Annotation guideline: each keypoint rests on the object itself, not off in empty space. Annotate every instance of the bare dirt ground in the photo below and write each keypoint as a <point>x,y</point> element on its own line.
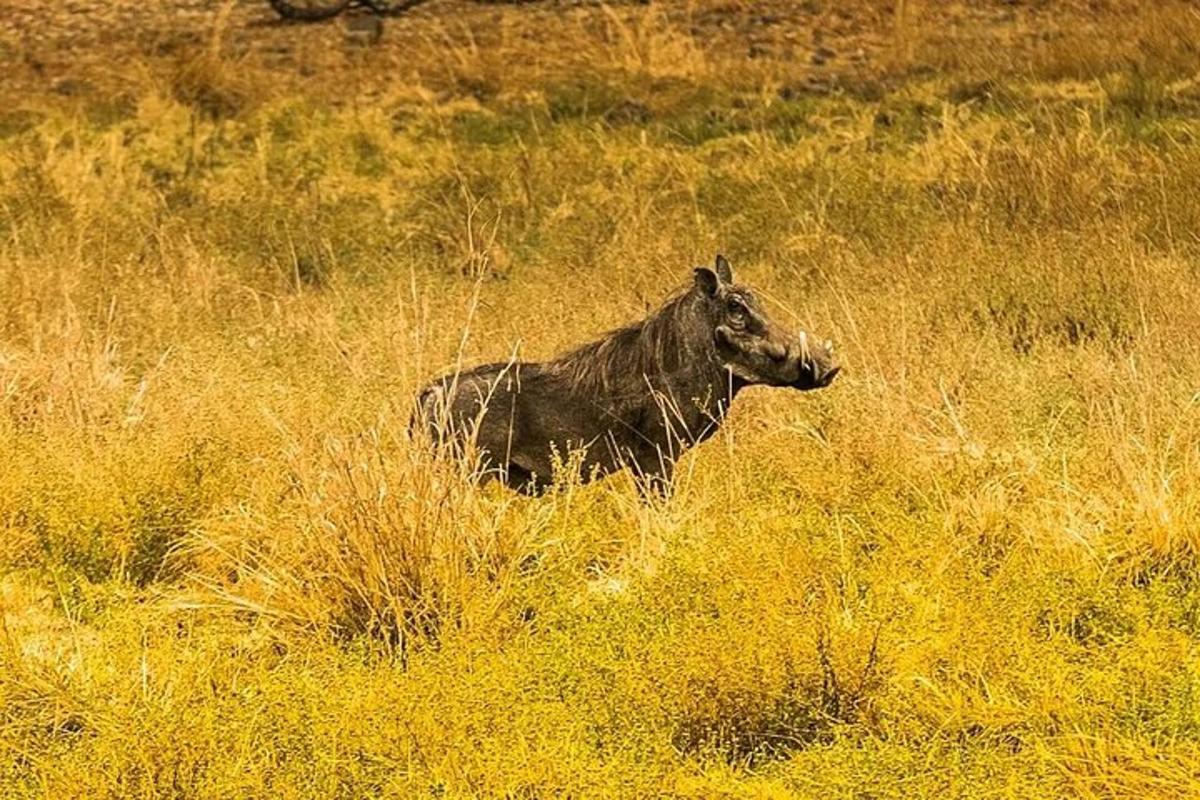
<point>59,47</point>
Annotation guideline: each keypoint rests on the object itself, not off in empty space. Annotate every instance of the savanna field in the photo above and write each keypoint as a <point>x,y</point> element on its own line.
<point>231,251</point>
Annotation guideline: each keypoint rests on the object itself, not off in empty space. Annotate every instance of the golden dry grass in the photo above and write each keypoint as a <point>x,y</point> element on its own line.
<point>968,569</point>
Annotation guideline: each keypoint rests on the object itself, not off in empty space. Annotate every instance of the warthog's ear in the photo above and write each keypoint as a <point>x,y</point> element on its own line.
<point>724,271</point>
<point>707,281</point>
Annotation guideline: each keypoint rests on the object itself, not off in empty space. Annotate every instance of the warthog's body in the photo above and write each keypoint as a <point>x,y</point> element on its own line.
<point>635,398</point>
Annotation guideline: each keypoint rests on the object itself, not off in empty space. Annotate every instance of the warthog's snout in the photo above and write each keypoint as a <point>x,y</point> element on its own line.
<point>786,359</point>
<point>815,363</point>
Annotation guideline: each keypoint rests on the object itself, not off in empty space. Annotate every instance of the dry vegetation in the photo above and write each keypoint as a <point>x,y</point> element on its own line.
<point>968,569</point>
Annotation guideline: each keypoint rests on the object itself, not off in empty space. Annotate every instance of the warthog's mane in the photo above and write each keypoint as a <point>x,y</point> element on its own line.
<point>622,363</point>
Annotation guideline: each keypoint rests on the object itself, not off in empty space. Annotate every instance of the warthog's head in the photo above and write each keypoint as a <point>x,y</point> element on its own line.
<point>751,346</point>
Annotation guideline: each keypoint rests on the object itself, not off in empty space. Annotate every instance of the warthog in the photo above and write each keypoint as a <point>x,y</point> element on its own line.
<point>634,398</point>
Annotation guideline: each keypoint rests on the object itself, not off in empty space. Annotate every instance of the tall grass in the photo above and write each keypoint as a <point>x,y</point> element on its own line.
<point>965,569</point>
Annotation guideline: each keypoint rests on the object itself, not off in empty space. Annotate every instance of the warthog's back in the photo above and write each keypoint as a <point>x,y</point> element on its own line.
<point>450,405</point>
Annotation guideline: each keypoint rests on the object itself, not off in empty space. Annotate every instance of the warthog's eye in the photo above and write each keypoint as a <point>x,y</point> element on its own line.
<point>736,310</point>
